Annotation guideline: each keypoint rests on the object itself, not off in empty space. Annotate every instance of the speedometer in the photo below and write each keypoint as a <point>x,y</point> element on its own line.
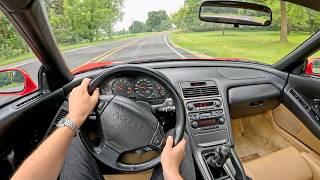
<point>143,87</point>
<point>121,87</point>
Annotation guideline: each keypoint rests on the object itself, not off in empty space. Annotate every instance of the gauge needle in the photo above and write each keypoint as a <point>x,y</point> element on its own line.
<point>142,87</point>
<point>119,88</point>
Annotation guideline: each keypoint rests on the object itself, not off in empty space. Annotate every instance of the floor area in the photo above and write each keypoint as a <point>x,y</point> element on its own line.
<point>255,137</point>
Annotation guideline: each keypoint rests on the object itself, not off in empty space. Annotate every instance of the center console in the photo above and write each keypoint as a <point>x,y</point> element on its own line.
<point>208,126</point>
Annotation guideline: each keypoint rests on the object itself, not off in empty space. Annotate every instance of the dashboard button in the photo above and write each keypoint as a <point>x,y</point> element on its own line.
<point>190,107</point>
<point>217,103</point>
<point>222,120</point>
<point>195,124</point>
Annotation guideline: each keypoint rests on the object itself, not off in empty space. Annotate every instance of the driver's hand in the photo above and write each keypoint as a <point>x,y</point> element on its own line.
<point>81,103</point>
<point>171,158</point>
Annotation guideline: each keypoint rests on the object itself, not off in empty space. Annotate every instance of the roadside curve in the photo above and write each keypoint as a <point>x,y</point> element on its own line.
<point>173,49</point>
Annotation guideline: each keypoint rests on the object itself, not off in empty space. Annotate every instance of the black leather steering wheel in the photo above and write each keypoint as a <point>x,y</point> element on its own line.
<point>126,126</point>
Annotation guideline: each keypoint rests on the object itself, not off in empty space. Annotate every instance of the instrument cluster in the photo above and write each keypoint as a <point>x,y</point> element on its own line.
<point>139,88</point>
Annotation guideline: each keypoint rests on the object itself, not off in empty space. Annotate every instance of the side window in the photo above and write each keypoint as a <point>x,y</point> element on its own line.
<point>18,66</point>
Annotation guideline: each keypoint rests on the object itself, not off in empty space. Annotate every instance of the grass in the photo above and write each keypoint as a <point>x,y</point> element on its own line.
<point>262,46</point>
<point>69,47</point>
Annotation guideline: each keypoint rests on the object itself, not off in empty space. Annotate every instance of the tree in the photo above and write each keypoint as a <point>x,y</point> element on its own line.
<point>284,22</point>
<point>83,20</point>
<point>11,44</point>
<point>186,17</point>
<point>137,27</point>
<point>158,21</point>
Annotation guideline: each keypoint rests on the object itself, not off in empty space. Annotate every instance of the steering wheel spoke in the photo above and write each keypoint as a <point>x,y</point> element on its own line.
<point>103,102</point>
<point>106,153</point>
<point>158,139</point>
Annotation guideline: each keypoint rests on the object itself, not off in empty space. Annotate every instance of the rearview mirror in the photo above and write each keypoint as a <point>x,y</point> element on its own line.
<point>15,82</point>
<point>235,12</point>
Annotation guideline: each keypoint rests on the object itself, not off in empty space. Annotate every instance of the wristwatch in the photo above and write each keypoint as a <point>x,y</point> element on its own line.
<point>70,124</point>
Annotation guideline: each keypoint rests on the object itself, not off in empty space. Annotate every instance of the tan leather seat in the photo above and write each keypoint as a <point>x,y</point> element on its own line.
<point>286,164</point>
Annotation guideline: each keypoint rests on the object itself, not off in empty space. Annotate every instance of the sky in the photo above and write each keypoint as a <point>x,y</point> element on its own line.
<point>138,10</point>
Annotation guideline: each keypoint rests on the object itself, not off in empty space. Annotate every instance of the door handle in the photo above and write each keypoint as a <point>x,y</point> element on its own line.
<point>316,106</point>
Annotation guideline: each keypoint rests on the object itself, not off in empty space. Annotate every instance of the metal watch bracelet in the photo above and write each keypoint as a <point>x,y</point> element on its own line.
<point>70,124</point>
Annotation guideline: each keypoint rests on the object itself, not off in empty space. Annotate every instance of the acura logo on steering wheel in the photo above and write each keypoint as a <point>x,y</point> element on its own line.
<point>124,118</point>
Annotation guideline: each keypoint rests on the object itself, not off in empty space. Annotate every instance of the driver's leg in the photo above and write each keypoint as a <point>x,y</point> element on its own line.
<point>79,163</point>
<point>187,169</point>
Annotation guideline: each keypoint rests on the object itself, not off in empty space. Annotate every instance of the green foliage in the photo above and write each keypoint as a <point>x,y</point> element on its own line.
<point>10,78</point>
<point>187,17</point>
<point>158,21</point>
<point>76,21</point>
<point>137,27</point>
<point>10,43</point>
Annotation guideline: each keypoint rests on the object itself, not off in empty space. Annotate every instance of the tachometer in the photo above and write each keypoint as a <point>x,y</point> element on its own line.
<point>143,87</point>
<point>122,87</point>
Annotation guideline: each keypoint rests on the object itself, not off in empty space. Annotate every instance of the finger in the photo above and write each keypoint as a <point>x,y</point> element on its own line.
<point>95,94</point>
<point>169,143</point>
<point>181,145</point>
<point>85,83</point>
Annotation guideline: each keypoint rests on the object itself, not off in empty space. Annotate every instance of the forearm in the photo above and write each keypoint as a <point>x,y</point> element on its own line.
<point>168,175</point>
<point>46,161</point>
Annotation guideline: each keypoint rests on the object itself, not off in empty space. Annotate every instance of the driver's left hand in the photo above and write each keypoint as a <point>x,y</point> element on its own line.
<point>81,103</point>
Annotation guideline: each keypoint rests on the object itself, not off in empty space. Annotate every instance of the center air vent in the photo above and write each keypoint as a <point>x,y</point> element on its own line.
<point>199,89</point>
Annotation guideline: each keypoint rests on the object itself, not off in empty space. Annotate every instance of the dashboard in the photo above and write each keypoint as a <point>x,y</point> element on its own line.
<point>136,88</point>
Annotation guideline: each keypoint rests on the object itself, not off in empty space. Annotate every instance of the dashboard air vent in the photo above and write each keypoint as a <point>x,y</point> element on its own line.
<point>27,100</point>
<point>200,89</point>
<point>62,113</point>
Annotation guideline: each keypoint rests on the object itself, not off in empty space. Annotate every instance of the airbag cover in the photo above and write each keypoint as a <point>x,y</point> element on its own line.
<point>125,127</point>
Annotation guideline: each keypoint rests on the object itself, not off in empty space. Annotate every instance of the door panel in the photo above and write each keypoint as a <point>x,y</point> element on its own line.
<point>299,95</point>
<point>292,125</point>
<point>24,122</point>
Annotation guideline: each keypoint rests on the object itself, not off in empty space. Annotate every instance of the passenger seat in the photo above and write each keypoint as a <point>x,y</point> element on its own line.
<point>286,164</point>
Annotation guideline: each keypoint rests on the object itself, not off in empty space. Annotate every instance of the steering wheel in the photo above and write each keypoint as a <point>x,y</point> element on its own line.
<point>126,126</point>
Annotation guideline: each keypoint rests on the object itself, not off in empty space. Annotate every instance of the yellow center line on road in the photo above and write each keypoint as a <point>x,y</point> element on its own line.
<point>106,54</point>
<point>116,50</point>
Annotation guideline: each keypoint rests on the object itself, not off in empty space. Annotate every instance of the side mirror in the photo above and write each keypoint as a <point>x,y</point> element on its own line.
<point>235,12</point>
<point>15,82</point>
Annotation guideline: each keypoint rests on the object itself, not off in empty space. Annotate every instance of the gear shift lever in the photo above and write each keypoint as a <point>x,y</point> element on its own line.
<point>219,157</point>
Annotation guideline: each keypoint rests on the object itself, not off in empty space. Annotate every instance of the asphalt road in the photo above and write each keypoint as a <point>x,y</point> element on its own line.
<point>155,46</point>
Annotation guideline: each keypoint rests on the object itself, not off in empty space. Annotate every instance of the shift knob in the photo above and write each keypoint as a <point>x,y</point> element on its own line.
<point>224,152</point>
<point>219,157</point>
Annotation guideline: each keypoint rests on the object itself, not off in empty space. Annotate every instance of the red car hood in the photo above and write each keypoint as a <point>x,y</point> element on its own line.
<point>97,65</point>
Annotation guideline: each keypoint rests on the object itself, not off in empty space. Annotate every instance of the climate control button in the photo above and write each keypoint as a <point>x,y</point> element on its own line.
<point>190,107</point>
<point>221,120</point>
<point>195,124</point>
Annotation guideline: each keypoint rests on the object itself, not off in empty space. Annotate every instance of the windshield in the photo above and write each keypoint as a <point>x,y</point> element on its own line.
<point>124,31</point>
